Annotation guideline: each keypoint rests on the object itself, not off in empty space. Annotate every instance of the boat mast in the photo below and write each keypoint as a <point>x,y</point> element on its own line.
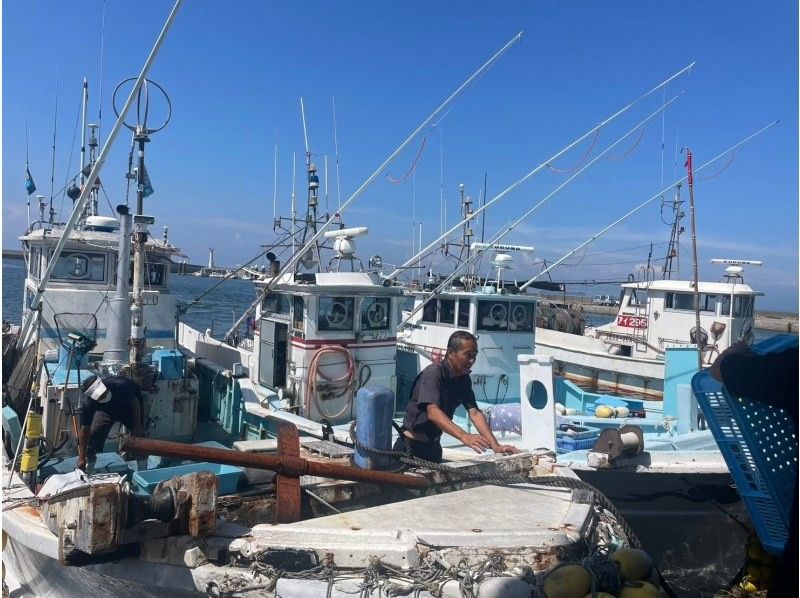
<point>84,104</point>
<point>312,254</point>
<point>673,247</point>
<point>695,277</point>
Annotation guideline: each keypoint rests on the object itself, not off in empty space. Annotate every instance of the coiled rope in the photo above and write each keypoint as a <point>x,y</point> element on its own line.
<point>338,387</point>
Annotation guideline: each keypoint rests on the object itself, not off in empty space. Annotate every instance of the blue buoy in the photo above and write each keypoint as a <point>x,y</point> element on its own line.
<point>374,412</point>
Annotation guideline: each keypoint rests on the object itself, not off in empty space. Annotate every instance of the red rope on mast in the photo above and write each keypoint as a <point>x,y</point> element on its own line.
<point>413,165</point>
<point>628,153</point>
<point>583,158</point>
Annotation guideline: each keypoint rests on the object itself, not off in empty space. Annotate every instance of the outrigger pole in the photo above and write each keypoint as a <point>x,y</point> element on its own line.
<point>547,162</point>
<point>290,264</point>
<point>80,203</point>
<point>497,237</point>
<point>643,204</point>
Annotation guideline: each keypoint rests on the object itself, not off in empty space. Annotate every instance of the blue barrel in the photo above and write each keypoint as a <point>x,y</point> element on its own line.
<point>374,412</point>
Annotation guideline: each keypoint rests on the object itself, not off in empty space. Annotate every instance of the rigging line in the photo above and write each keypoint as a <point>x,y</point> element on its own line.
<point>720,171</point>
<point>108,201</point>
<point>629,248</point>
<point>55,128</point>
<point>630,151</point>
<point>411,168</point>
<point>594,237</point>
<point>290,264</point>
<point>336,148</point>
<point>560,152</point>
<point>69,163</point>
<point>583,158</point>
<point>663,125</point>
<point>507,229</point>
<point>102,63</point>
<point>653,260</point>
<point>186,307</point>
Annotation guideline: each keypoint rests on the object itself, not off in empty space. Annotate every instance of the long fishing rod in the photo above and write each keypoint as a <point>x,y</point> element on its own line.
<point>644,203</point>
<point>80,203</point>
<point>547,162</point>
<point>497,237</point>
<point>378,171</point>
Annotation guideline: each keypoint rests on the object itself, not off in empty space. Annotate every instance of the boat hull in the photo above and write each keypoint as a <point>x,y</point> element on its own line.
<point>684,521</point>
<point>587,362</point>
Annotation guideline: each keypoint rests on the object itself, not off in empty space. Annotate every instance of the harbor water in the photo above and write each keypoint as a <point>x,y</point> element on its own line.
<point>218,310</point>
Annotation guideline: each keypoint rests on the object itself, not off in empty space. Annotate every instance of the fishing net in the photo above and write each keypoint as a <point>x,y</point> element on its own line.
<point>77,328</point>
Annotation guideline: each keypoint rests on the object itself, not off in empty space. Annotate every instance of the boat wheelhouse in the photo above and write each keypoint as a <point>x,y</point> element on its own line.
<point>84,278</point>
<point>627,355</point>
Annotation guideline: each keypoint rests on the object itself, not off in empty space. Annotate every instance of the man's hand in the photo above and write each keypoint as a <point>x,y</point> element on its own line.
<point>506,449</point>
<point>476,442</point>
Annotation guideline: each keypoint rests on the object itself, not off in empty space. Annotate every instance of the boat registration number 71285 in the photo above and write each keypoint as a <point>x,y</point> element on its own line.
<point>632,321</point>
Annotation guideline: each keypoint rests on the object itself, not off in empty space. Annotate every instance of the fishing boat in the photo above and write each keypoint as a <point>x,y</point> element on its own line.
<point>626,356</point>
<point>242,504</point>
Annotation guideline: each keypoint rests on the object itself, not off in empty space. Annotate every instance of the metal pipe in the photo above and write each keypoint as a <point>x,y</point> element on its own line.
<point>119,326</point>
<point>292,466</point>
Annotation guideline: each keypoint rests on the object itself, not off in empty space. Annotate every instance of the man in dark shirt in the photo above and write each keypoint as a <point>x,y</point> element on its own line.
<point>437,392</point>
<point>770,378</point>
<point>104,402</point>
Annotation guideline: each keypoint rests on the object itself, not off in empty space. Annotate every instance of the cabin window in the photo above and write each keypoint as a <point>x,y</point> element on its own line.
<point>463,313</point>
<point>276,304</point>
<point>521,317</point>
<point>743,306</point>
<point>492,315</point>
<point>80,266</point>
<point>155,275</point>
<point>429,312</point>
<point>726,306</point>
<point>298,313</point>
<point>447,311</point>
<point>335,313</point>
<point>685,301</point>
<point>708,303</point>
<point>35,262</point>
<point>639,298</point>
<point>375,313</point>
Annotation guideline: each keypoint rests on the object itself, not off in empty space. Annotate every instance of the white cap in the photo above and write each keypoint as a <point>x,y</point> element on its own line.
<point>98,392</point>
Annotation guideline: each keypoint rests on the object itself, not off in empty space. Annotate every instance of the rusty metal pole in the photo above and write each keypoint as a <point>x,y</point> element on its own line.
<point>290,465</point>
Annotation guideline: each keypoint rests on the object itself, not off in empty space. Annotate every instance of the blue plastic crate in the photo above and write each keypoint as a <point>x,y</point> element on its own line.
<point>228,476</point>
<point>572,437</point>
<point>757,443</point>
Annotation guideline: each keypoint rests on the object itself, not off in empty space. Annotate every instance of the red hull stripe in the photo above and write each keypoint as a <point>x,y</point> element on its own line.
<point>310,344</point>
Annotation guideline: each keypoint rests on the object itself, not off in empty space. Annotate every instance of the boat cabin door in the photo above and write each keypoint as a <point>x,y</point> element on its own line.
<point>273,352</point>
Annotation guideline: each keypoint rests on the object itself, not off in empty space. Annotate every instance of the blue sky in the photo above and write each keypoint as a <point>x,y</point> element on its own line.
<point>235,72</point>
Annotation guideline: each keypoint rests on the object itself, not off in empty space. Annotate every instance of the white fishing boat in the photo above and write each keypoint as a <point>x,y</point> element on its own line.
<point>197,518</point>
<point>626,356</point>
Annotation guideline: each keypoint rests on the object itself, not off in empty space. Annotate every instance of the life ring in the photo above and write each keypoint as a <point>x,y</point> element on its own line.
<point>519,314</point>
<point>498,313</point>
<point>336,314</point>
<point>376,314</point>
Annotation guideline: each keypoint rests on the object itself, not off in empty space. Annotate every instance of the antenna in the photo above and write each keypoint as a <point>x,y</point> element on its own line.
<point>305,131</point>
<point>275,180</point>
<point>336,149</point>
